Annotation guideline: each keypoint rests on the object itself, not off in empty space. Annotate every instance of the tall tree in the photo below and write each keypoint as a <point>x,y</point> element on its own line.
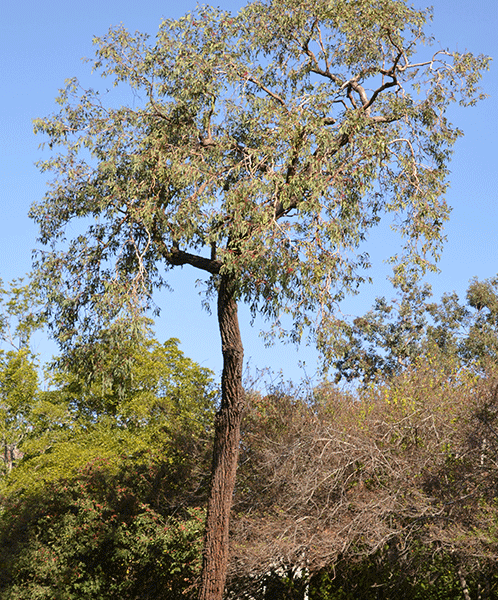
<point>394,335</point>
<point>259,149</point>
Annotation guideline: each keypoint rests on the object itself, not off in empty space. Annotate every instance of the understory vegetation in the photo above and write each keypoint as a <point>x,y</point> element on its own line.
<point>383,490</point>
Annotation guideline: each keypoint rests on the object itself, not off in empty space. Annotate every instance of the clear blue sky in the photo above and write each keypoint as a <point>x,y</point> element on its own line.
<point>42,44</point>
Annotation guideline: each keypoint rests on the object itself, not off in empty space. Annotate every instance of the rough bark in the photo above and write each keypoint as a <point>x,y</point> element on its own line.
<point>226,448</point>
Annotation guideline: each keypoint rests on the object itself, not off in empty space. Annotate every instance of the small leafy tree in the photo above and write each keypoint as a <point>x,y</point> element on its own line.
<point>18,392</point>
<point>20,316</point>
<point>163,413</point>
<point>259,149</point>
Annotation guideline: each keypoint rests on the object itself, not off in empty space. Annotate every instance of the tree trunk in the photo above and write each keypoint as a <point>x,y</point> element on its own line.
<point>463,583</point>
<point>226,448</point>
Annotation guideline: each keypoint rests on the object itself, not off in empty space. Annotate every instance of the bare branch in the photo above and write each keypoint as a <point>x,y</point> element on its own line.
<point>177,257</point>
<point>265,89</point>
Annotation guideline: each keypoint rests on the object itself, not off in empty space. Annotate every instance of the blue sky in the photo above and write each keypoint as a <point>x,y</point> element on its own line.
<point>42,44</point>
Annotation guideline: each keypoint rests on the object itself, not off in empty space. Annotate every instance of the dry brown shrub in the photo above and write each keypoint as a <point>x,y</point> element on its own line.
<point>410,461</point>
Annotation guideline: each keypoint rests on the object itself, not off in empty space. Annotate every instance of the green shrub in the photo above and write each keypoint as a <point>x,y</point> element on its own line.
<point>97,537</point>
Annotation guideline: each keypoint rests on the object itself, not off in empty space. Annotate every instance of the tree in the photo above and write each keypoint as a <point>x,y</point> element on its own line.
<point>167,404</point>
<point>393,335</point>
<point>386,339</point>
<point>19,318</point>
<point>481,342</point>
<point>259,149</point>
<point>18,392</point>
<point>111,482</point>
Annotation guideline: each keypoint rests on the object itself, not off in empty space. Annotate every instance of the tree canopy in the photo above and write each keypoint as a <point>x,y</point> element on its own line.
<point>393,335</point>
<point>263,145</point>
<point>163,414</point>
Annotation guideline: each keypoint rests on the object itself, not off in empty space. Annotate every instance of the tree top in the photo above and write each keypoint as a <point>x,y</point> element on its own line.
<point>261,147</point>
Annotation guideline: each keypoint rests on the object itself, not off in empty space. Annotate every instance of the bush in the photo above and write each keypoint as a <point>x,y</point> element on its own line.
<point>383,577</point>
<point>337,479</point>
<point>100,536</point>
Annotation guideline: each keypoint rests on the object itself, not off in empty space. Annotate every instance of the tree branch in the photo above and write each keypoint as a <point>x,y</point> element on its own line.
<point>177,257</point>
<point>280,210</point>
<point>267,90</point>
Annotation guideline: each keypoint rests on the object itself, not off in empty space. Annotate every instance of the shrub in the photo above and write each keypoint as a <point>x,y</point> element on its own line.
<point>338,479</point>
<point>100,536</point>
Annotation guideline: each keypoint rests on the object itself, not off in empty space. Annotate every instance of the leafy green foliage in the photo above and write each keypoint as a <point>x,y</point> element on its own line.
<point>104,502</point>
<point>20,317</point>
<point>168,405</point>
<point>392,336</point>
<point>20,313</point>
<point>18,393</point>
<point>481,342</point>
<point>100,535</point>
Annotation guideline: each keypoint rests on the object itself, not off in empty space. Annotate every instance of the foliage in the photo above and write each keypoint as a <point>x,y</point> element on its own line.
<point>251,148</point>
<point>393,484</point>
<point>166,410</point>
<point>20,317</point>
<point>383,576</point>
<point>105,500</point>
<point>391,336</point>
<point>20,313</point>
<point>18,393</point>
<point>395,492</point>
<point>100,535</point>
<point>482,338</point>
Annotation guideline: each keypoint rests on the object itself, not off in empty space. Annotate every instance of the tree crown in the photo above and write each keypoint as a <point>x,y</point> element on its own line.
<point>261,147</point>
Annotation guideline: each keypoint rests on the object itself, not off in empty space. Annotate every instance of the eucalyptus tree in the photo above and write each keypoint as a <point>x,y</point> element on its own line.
<point>259,149</point>
<point>393,335</point>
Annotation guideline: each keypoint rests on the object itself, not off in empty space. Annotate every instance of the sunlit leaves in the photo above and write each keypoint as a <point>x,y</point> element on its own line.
<point>162,400</point>
<point>100,535</point>
<point>393,335</point>
<point>263,146</point>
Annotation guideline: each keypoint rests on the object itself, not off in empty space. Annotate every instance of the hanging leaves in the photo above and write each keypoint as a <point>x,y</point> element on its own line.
<point>263,145</point>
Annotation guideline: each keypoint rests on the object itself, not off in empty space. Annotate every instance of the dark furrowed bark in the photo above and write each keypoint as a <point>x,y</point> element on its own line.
<point>226,448</point>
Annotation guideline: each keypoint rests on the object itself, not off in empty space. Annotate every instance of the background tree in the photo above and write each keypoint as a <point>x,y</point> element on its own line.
<point>18,393</point>
<point>20,317</point>
<point>108,497</point>
<point>260,149</point>
<point>481,342</point>
<point>166,405</point>
<point>393,335</point>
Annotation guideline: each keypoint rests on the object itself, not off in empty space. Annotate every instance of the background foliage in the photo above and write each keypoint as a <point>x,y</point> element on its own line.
<point>100,535</point>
